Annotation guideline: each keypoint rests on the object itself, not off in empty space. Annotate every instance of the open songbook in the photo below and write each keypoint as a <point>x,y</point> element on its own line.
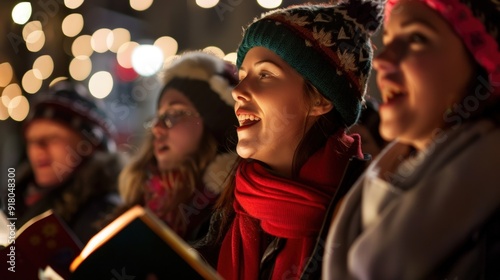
<point>44,241</point>
<point>137,245</point>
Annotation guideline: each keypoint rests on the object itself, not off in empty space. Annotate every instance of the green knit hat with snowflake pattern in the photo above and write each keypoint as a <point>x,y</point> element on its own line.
<point>329,45</point>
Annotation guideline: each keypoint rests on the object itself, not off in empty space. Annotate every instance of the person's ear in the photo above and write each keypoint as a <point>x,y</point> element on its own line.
<point>320,107</point>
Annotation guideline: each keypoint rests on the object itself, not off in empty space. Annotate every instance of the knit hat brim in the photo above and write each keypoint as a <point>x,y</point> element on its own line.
<point>329,45</point>
<point>276,37</point>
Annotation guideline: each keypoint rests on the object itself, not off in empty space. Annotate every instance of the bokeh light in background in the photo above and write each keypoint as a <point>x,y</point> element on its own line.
<point>21,13</point>
<point>43,67</point>
<point>215,51</point>
<point>31,84</point>
<point>125,74</point>
<point>56,80</point>
<point>81,46</point>
<point>34,36</point>
<point>147,60</point>
<point>72,25</point>
<point>269,4</point>
<point>99,40</point>
<point>4,113</point>
<point>207,4</point>
<point>101,84</point>
<point>73,4</point>
<point>132,59</point>
<point>231,57</point>
<point>124,54</point>
<point>141,5</point>
<point>116,38</point>
<point>168,45</point>
<point>30,27</point>
<point>80,67</point>
<point>35,41</point>
<point>18,108</point>
<point>6,74</point>
<point>9,93</point>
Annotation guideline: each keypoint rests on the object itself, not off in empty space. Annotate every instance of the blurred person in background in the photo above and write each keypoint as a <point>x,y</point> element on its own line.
<point>71,166</point>
<point>428,207</point>
<point>179,170</point>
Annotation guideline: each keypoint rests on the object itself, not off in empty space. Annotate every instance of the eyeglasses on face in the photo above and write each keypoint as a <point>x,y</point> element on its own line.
<point>47,140</point>
<point>170,118</point>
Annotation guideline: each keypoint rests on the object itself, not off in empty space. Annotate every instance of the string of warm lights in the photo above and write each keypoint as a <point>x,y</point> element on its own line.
<point>133,59</point>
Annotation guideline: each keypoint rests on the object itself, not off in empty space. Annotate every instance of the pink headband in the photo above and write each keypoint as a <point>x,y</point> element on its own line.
<point>471,30</point>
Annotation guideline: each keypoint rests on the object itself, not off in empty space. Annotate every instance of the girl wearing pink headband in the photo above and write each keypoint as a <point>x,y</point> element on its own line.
<point>428,207</point>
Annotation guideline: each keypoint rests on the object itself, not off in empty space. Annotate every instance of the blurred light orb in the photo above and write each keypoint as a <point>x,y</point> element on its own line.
<point>168,45</point>
<point>4,113</point>
<point>147,60</point>
<point>73,4</point>
<point>116,38</point>
<point>140,5</point>
<point>215,51</point>
<point>35,41</point>
<point>124,54</point>
<point>31,84</point>
<point>269,4</point>
<point>72,25</point>
<point>101,84</point>
<point>57,80</point>
<point>99,40</point>
<point>207,4</point>
<point>6,74</point>
<point>43,67</point>
<point>21,13</point>
<point>81,46</point>
<point>231,57</point>
<point>9,93</point>
<point>80,67</point>
<point>19,108</point>
<point>125,74</point>
<point>31,27</point>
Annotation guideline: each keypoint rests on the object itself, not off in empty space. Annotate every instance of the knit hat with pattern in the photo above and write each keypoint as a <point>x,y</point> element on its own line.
<point>477,23</point>
<point>72,105</point>
<point>329,45</point>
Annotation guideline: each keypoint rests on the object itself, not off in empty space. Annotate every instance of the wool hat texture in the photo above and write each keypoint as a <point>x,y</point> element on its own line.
<point>329,45</point>
<point>72,105</point>
<point>207,81</point>
<point>477,23</point>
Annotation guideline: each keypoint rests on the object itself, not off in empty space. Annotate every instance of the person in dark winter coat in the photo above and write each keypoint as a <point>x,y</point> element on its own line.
<point>429,206</point>
<point>71,166</point>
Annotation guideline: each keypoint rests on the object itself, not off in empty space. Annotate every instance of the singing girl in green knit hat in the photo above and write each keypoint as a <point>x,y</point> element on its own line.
<point>303,73</point>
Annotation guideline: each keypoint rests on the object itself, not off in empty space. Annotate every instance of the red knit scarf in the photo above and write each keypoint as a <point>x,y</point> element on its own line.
<point>283,208</point>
